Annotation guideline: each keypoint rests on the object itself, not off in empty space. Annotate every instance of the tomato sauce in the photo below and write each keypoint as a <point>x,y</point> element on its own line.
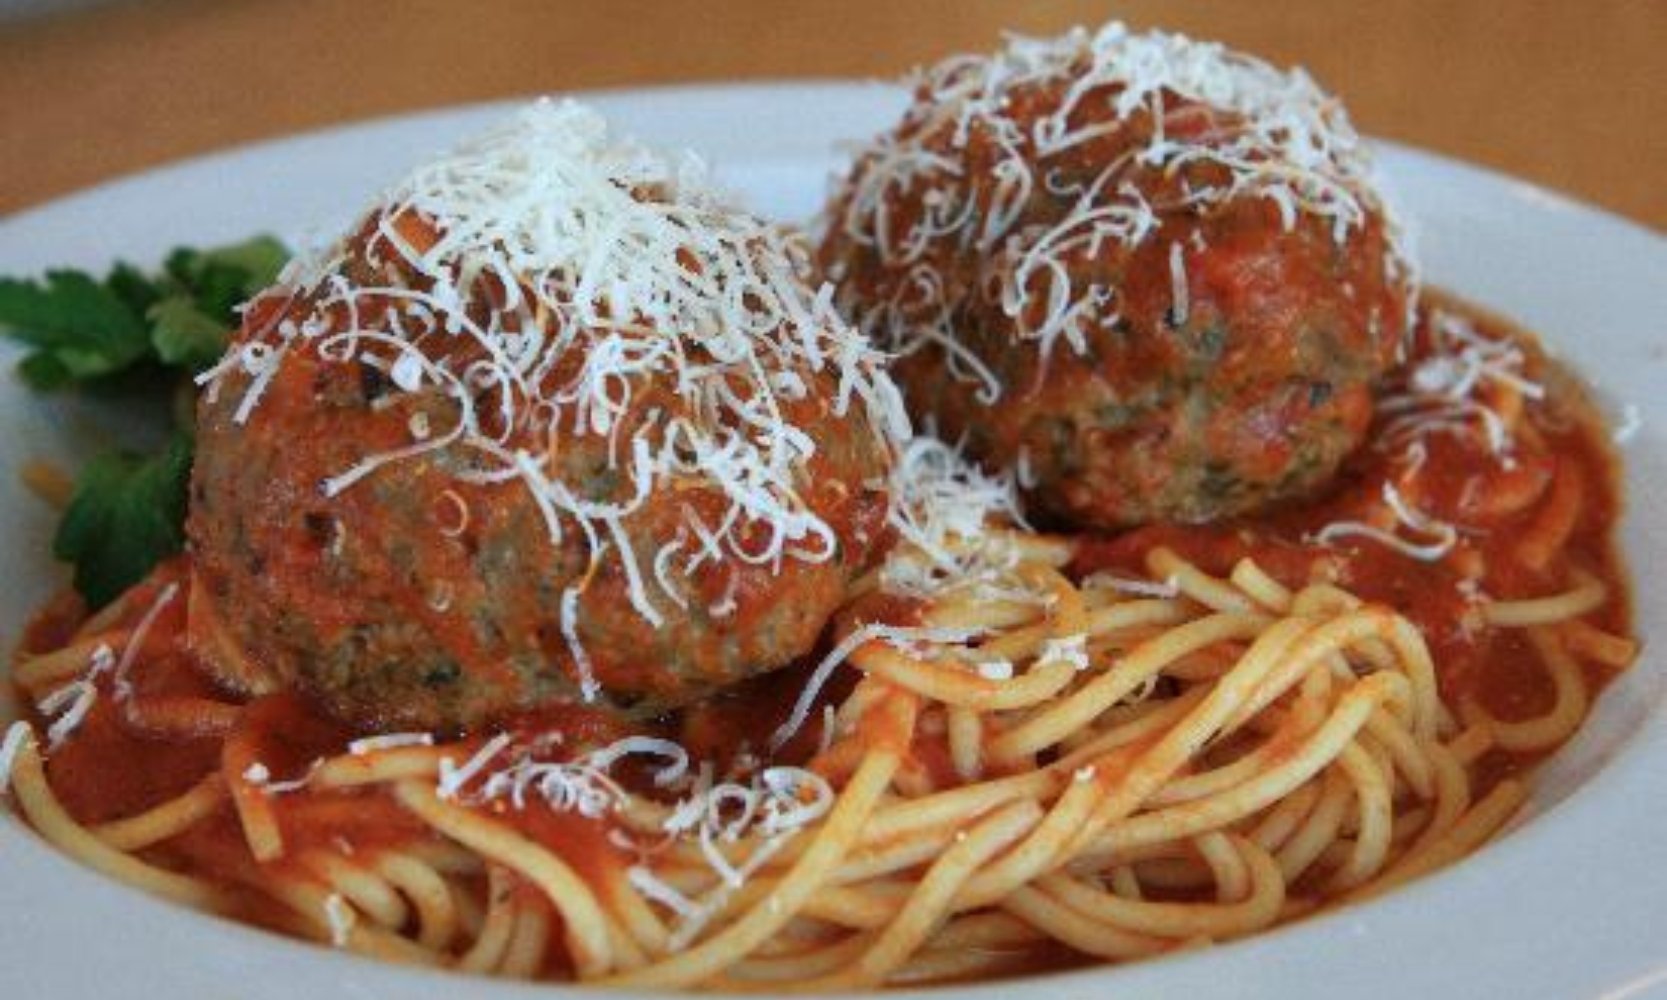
<point>112,768</point>
<point>1493,499</point>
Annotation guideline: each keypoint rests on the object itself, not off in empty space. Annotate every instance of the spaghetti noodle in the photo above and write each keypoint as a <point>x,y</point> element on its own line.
<point>1054,750</point>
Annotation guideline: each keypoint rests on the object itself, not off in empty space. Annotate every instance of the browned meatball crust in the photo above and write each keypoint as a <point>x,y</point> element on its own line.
<point>382,525</point>
<point>1150,305</point>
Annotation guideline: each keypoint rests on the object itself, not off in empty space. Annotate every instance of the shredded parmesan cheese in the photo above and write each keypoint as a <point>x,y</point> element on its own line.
<point>1441,394</point>
<point>260,776</point>
<point>623,276</point>
<point>643,879</point>
<point>16,735</point>
<point>649,746</point>
<point>1126,585</point>
<point>130,651</point>
<point>1632,421</point>
<point>777,803</point>
<point>1182,307</point>
<point>1072,649</point>
<point>770,807</point>
<point>1442,536</point>
<point>454,778</point>
<point>389,741</point>
<point>341,919</point>
<point>942,505</point>
<point>1272,135</point>
<point>895,634</point>
<point>580,785</point>
<point>72,702</point>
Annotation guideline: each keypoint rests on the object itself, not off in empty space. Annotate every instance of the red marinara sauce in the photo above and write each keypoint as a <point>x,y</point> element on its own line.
<point>1528,491</point>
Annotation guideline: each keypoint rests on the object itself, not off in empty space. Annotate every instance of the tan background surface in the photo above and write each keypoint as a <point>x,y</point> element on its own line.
<point>1572,95</point>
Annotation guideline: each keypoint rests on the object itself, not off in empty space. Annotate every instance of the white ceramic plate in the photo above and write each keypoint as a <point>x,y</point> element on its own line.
<point>1572,903</point>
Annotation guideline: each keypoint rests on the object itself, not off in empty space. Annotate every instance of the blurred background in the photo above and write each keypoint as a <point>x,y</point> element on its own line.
<point>1569,95</point>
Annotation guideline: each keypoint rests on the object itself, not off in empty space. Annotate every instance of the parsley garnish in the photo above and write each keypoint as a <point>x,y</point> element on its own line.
<point>127,515</point>
<point>81,330</point>
<point>128,510</point>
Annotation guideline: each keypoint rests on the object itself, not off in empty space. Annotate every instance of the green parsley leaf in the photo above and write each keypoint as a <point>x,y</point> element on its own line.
<point>127,514</point>
<point>220,278</point>
<point>184,335</point>
<point>43,372</point>
<point>80,327</point>
<point>128,511</point>
<point>132,286</point>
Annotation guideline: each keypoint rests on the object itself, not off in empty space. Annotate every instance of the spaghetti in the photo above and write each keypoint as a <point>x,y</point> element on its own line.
<point>1028,750</point>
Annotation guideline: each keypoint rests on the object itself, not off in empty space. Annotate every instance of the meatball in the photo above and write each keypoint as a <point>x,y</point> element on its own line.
<point>552,425</point>
<point>1149,276</point>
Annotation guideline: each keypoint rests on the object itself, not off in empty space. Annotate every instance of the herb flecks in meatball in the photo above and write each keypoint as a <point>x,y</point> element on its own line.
<point>555,423</point>
<point>1149,275</point>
